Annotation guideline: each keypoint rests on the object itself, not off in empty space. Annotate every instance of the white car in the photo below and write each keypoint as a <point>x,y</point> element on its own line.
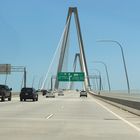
<point>60,93</point>
<point>83,93</point>
<point>50,94</point>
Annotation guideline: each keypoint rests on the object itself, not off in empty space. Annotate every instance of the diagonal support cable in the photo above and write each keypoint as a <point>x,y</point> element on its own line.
<point>58,46</point>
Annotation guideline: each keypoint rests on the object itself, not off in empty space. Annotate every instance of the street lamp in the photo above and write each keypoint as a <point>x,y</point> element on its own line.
<point>100,80</point>
<point>109,87</point>
<point>25,76</point>
<point>113,41</point>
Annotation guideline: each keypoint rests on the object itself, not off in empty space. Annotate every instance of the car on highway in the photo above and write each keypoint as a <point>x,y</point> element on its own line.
<point>5,92</point>
<point>50,94</point>
<point>83,93</point>
<point>28,93</point>
<point>44,92</point>
<point>77,90</point>
<point>60,93</point>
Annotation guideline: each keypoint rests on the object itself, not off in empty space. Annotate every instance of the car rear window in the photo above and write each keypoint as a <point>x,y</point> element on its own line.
<point>2,87</point>
<point>83,91</point>
<point>27,90</point>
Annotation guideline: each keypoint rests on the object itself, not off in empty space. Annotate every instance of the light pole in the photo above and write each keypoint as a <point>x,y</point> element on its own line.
<point>25,76</point>
<point>109,87</point>
<point>100,81</point>
<point>123,58</point>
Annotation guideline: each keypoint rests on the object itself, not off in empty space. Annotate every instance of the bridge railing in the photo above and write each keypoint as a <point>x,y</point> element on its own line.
<point>129,102</point>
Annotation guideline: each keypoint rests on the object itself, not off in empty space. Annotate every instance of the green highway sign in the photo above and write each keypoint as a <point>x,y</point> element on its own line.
<point>70,76</point>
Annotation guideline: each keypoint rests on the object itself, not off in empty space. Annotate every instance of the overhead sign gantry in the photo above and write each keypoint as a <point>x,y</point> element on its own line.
<point>7,69</point>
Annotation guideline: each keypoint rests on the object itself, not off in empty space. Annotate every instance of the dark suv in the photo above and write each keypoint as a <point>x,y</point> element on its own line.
<point>28,93</point>
<point>5,92</point>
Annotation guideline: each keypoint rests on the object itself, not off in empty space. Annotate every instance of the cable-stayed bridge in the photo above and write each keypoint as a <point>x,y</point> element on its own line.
<point>101,115</point>
<point>62,53</point>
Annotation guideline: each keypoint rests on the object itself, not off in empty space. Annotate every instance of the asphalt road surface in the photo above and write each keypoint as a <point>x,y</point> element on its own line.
<point>67,117</point>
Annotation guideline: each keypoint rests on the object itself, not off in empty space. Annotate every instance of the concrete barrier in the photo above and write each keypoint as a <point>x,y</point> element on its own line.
<point>127,104</point>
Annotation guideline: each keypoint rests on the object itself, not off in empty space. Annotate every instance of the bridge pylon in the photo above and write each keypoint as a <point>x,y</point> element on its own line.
<point>73,10</point>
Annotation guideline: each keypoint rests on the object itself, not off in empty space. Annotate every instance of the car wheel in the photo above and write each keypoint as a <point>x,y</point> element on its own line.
<point>21,99</point>
<point>9,98</point>
<point>37,98</point>
<point>3,99</point>
<point>24,99</point>
<point>34,99</point>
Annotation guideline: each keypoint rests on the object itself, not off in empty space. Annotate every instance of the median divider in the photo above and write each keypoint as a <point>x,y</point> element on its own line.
<point>127,104</point>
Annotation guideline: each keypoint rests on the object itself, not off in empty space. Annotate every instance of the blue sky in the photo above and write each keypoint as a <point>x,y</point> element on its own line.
<point>30,31</point>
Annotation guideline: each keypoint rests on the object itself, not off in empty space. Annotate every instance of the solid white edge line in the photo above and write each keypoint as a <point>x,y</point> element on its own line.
<point>49,116</point>
<point>127,122</point>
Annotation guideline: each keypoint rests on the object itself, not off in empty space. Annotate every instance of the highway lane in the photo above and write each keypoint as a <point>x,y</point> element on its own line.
<point>66,117</point>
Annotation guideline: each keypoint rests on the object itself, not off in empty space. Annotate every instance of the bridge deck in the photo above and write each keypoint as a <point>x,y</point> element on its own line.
<point>66,117</point>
